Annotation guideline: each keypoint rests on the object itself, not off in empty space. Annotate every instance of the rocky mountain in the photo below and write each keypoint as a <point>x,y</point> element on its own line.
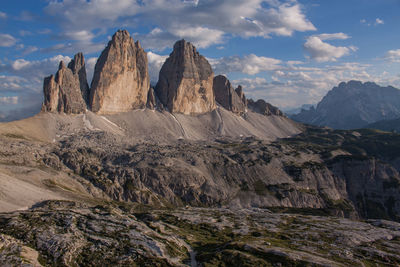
<point>239,91</point>
<point>185,82</point>
<point>165,177</point>
<point>62,92</point>
<point>121,84</point>
<point>78,67</point>
<point>227,97</point>
<point>353,105</point>
<point>264,108</point>
<point>121,80</point>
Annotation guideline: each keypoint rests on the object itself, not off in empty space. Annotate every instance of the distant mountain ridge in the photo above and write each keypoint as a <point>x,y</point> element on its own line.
<point>353,105</point>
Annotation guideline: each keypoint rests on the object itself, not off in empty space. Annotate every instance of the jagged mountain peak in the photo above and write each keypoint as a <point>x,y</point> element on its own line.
<point>354,104</point>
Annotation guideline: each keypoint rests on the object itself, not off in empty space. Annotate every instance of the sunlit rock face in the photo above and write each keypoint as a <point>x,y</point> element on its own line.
<point>121,79</point>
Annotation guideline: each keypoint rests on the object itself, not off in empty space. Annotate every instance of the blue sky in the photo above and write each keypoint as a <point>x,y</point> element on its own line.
<point>288,52</point>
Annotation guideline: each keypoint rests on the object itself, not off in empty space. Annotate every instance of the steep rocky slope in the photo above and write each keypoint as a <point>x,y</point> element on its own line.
<point>121,80</point>
<point>185,83</point>
<point>353,105</point>
<point>264,108</point>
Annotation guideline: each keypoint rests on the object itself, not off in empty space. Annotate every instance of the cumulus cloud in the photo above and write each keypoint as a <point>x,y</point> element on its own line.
<point>378,21</point>
<point>204,23</point>
<point>393,55</point>
<point>21,85</point>
<point>321,51</point>
<point>294,86</point>
<point>249,64</point>
<point>90,63</point>
<point>7,40</point>
<point>28,75</point>
<point>155,63</point>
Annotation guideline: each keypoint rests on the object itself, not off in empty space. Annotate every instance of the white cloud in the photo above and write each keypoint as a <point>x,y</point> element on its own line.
<point>83,36</point>
<point>90,63</point>
<point>249,64</point>
<point>201,37</point>
<point>203,23</point>
<point>378,21</point>
<point>155,63</point>
<point>321,51</point>
<point>88,15</point>
<point>291,87</point>
<point>28,75</point>
<point>9,100</point>
<point>332,36</point>
<point>393,55</point>
<point>20,64</point>
<point>7,40</point>
<point>3,15</point>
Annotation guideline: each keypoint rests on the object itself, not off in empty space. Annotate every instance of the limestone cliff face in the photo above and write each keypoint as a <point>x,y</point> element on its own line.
<point>226,96</point>
<point>77,65</point>
<point>186,81</point>
<point>62,92</point>
<point>264,108</point>
<point>121,80</point>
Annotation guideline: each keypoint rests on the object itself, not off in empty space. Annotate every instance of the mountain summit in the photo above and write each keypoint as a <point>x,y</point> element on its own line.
<point>186,81</point>
<point>353,105</point>
<point>121,80</point>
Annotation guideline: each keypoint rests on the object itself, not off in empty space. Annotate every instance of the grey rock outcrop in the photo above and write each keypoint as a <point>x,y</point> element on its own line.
<point>264,108</point>
<point>77,65</point>
<point>121,79</point>
<point>226,96</point>
<point>239,91</point>
<point>62,92</point>
<point>186,81</point>
<point>151,99</point>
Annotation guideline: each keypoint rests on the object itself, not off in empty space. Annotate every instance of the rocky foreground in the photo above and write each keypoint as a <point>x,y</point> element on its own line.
<point>61,233</point>
<point>99,201</point>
